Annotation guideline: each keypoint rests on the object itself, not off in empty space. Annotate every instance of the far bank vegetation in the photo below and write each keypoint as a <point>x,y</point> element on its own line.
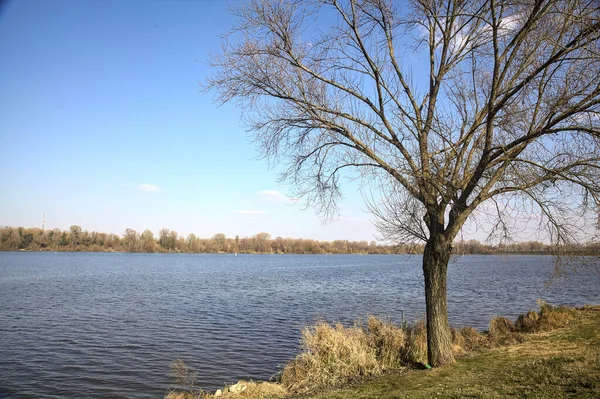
<point>78,239</point>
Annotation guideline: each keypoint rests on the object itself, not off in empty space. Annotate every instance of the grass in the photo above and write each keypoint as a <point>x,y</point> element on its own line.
<point>331,355</point>
<point>251,389</point>
<point>561,363</point>
<point>553,353</point>
<point>334,355</point>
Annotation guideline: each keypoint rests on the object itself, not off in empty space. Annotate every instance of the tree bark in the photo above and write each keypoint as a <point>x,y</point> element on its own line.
<point>435,266</point>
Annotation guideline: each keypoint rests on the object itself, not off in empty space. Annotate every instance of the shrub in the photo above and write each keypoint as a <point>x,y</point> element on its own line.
<point>186,379</point>
<point>415,349</point>
<point>501,326</point>
<point>552,317</point>
<point>473,339</point>
<point>388,341</point>
<point>458,342</point>
<point>548,318</point>
<point>503,332</point>
<point>528,322</point>
<point>332,356</point>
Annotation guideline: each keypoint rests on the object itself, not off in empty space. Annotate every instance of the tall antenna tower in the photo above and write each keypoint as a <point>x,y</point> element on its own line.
<point>43,220</point>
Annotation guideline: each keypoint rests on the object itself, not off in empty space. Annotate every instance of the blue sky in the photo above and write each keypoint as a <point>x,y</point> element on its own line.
<point>103,125</point>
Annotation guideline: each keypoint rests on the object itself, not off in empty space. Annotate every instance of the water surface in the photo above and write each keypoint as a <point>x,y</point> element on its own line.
<point>104,325</point>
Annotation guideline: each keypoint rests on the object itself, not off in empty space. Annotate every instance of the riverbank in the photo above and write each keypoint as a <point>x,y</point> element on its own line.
<point>564,362</point>
<point>553,357</point>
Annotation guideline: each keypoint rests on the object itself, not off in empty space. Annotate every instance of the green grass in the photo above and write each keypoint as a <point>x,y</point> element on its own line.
<point>562,363</point>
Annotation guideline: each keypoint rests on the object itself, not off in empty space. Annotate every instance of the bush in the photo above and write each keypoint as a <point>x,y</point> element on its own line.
<point>458,342</point>
<point>552,317</point>
<point>388,341</point>
<point>503,332</point>
<point>415,349</point>
<point>528,322</point>
<point>501,326</point>
<point>548,318</point>
<point>332,356</point>
<point>186,379</point>
<point>473,339</point>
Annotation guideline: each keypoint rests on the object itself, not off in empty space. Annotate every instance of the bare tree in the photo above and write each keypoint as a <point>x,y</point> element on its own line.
<point>446,104</point>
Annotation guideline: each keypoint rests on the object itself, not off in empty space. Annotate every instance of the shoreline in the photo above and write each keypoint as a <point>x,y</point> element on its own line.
<point>544,253</point>
<point>508,360</point>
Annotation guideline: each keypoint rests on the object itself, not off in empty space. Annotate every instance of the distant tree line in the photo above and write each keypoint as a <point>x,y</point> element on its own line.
<point>476,247</point>
<point>77,239</point>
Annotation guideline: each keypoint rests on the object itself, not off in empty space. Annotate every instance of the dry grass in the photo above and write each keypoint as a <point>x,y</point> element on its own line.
<point>252,389</point>
<point>552,317</point>
<point>548,318</point>
<point>261,390</point>
<point>502,332</point>
<point>186,395</point>
<point>471,340</point>
<point>388,341</point>
<point>332,355</point>
<point>501,326</point>
<point>561,363</point>
<point>528,322</point>
<point>182,374</point>
<point>458,342</point>
<point>186,380</point>
<point>415,350</point>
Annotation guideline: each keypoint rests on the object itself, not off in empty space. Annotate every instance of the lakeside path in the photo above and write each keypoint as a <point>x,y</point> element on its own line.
<point>563,363</point>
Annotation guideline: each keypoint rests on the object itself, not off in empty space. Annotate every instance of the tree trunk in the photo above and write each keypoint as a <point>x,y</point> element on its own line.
<point>435,266</point>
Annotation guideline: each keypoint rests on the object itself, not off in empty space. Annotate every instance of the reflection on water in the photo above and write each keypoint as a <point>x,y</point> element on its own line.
<point>109,325</point>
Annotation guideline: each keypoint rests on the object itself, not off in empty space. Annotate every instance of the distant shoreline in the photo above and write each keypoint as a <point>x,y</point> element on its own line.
<point>77,239</point>
<point>272,253</point>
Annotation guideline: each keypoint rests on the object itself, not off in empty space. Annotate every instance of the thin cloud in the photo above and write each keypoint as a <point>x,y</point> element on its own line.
<point>151,188</point>
<point>250,212</point>
<point>274,196</point>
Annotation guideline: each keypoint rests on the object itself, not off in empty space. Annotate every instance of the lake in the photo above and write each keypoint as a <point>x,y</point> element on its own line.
<point>108,325</point>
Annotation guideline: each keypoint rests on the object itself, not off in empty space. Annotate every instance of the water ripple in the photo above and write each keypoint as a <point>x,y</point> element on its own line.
<point>109,325</point>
